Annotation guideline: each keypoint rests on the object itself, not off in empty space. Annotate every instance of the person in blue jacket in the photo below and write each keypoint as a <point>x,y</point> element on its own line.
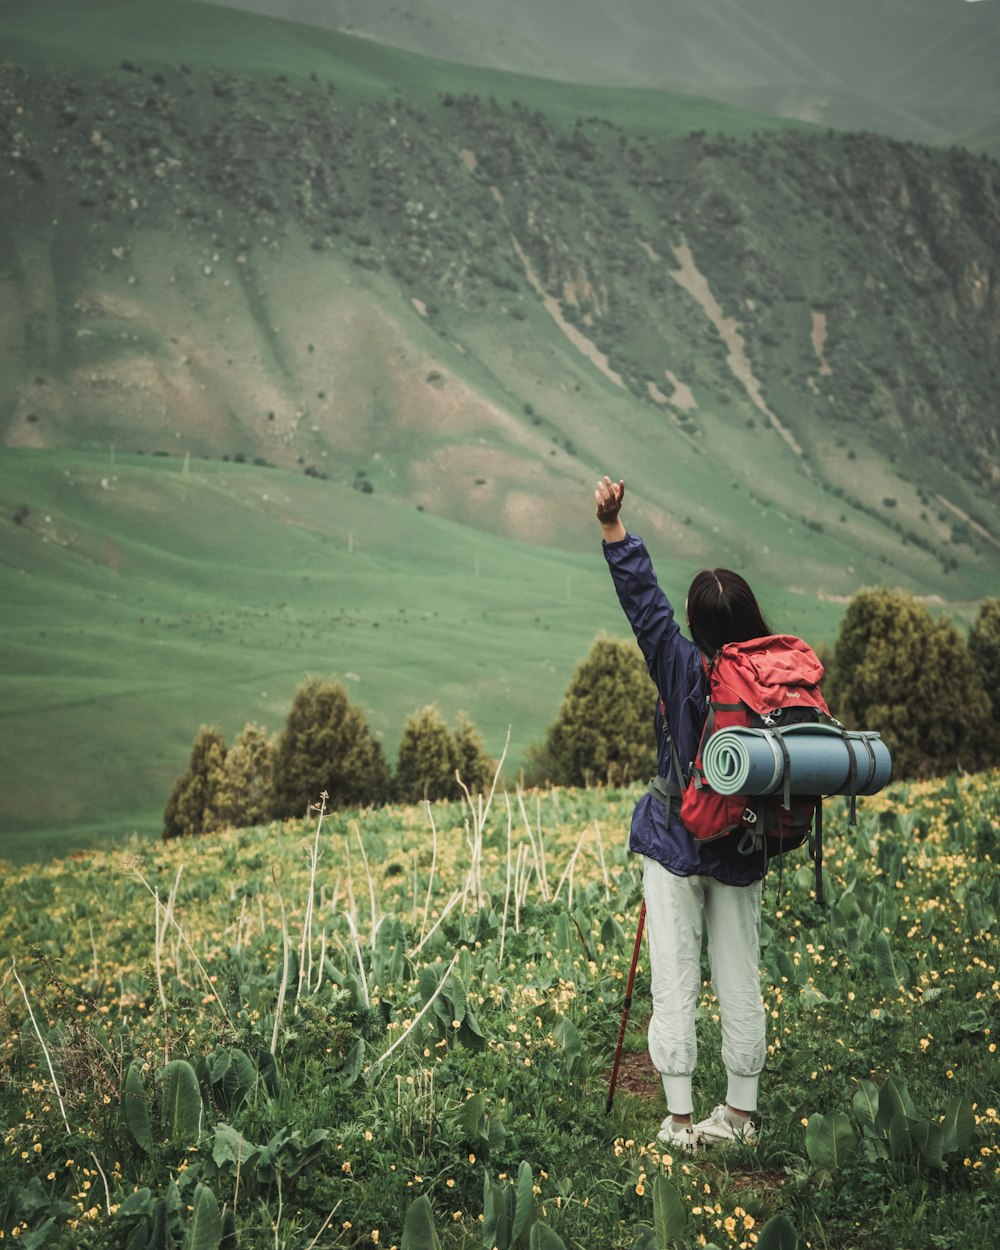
<point>689,885</point>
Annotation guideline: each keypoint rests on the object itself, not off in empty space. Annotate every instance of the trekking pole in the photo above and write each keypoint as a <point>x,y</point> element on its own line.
<point>628,1004</point>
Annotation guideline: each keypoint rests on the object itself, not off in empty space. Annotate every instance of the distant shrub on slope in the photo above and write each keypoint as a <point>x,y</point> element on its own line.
<point>984,647</point>
<point>430,756</point>
<point>604,729</point>
<point>326,745</point>
<point>191,804</point>
<point>245,795</point>
<point>912,678</point>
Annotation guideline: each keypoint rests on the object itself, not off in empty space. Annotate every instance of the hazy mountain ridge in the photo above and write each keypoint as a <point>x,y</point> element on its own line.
<point>916,69</point>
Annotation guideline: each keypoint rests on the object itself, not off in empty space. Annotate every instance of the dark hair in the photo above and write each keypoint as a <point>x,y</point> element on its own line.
<point>722,608</point>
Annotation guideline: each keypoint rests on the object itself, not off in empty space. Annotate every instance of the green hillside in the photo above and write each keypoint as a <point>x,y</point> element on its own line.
<point>420,308</point>
<point>143,597</point>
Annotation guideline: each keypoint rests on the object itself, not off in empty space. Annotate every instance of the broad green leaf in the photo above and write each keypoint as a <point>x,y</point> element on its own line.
<point>418,1228</point>
<point>354,1063</point>
<point>894,1099</point>
<point>866,1102</point>
<point>830,1140</point>
<point>644,1238</point>
<point>669,1212</point>
<point>139,1202</point>
<point>567,1036</point>
<point>779,1234</point>
<point>525,1209</point>
<point>181,1105</point>
<point>612,934</point>
<point>238,1079</point>
<point>900,1139</point>
<point>544,1238</point>
<point>228,1239</point>
<point>158,1237</point>
<point>497,1134</point>
<point>40,1237</point>
<point>959,1124</point>
<point>136,1108</point>
<point>496,1226</point>
<point>231,1147</point>
<point>205,1228</point>
<point>138,1238</point>
<point>888,973</point>
<point>929,1140</point>
<point>472,1117</point>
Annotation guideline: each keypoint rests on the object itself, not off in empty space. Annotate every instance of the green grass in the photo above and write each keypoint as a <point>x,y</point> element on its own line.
<point>459,1051</point>
<point>142,600</point>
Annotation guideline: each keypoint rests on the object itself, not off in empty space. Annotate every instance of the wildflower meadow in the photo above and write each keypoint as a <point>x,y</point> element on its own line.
<point>395,1027</point>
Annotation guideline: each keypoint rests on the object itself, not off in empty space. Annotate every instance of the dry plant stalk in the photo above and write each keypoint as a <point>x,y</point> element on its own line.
<point>283,989</point>
<point>430,879</point>
<point>416,1019</point>
<point>41,1042</point>
<point>305,948</point>
<point>133,868</point>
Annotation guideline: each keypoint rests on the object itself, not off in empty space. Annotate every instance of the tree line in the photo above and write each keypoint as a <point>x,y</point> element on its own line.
<point>933,695</point>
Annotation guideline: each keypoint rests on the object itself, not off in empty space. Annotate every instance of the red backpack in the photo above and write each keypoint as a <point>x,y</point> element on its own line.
<point>764,683</point>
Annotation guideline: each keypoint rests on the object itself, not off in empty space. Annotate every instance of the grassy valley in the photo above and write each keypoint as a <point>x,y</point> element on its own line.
<point>144,596</point>
<point>305,340</point>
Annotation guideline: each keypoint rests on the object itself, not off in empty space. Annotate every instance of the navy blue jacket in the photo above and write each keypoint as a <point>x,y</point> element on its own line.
<point>675,665</point>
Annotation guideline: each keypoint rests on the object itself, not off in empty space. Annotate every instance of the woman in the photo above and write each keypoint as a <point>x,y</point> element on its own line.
<point>688,884</point>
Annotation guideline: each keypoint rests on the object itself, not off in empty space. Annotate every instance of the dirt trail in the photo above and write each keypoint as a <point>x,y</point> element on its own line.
<point>554,309</point>
<point>695,283</point>
<point>973,525</point>
<point>819,342</point>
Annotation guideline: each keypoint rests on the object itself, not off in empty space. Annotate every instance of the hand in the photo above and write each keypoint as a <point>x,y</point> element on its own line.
<point>609,500</point>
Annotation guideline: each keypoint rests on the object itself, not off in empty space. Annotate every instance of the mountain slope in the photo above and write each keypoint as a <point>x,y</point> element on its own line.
<point>194,260</point>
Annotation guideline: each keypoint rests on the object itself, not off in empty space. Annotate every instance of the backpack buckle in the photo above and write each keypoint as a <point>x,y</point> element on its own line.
<point>749,816</point>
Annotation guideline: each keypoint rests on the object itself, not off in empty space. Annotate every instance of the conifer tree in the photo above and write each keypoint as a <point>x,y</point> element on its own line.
<point>246,789</point>
<point>191,804</point>
<point>984,647</point>
<point>604,729</point>
<point>326,745</point>
<point>427,759</point>
<point>473,761</point>
<point>911,678</point>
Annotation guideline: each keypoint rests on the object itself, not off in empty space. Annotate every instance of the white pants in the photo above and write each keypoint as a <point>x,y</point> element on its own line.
<point>675,910</point>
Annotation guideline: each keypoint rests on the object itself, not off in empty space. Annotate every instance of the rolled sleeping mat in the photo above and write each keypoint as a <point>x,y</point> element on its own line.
<point>751,761</point>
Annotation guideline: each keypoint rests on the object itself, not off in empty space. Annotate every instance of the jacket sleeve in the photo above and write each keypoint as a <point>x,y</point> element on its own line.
<point>671,658</point>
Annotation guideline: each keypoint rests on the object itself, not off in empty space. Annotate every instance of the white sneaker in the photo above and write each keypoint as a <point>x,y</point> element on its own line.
<point>719,1129</point>
<point>675,1136</point>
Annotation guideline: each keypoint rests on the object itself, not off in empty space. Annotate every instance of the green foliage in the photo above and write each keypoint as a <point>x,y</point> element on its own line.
<point>326,745</point>
<point>900,672</point>
<point>430,755</point>
<point>191,805</point>
<point>427,758</point>
<point>245,794</point>
<point>984,648</point>
<point>451,1063</point>
<point>603,732</point>
<point>475,765</point>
